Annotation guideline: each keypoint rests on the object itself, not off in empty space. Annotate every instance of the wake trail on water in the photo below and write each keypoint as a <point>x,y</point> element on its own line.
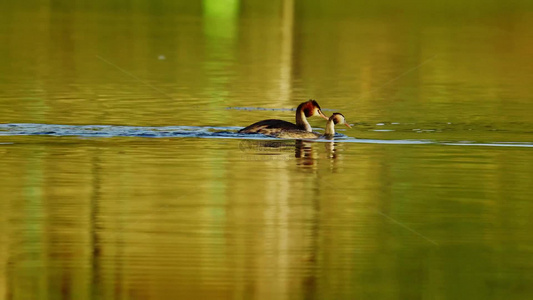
<point>109,131</point>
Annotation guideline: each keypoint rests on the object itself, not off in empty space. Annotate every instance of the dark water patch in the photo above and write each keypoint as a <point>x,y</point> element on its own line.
<point>116,131</point>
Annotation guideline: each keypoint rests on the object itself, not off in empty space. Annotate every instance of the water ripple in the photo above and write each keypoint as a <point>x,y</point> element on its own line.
<point>204,132</point>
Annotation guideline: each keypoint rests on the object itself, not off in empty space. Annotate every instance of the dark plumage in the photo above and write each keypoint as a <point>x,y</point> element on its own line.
<point>274,127</point>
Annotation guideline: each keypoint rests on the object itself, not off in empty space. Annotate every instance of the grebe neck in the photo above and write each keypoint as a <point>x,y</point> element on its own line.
<point>330,128</point>
<point>301,120</point>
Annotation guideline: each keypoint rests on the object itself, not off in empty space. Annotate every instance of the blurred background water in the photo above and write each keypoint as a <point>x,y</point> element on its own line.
<point>427,197</point>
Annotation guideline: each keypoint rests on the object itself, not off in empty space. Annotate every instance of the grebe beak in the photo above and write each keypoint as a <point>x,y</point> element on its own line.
<point>321,114</point>
<point>347,125</point>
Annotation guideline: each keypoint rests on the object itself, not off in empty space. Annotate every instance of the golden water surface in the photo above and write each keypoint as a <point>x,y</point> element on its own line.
<point>210,218</point>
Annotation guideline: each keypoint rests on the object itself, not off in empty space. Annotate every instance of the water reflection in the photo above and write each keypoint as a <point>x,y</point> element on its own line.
<point>307,153</point>
<point>141,218</point>
<point>331,149</point>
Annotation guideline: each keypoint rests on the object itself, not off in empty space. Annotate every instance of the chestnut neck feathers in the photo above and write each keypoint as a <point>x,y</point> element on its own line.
<point>304,111</point>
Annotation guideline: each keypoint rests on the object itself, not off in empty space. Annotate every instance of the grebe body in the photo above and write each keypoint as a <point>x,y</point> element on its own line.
<point>275,127</point>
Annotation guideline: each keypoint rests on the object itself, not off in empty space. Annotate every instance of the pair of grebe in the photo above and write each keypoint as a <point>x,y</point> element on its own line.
<point>302,129</point>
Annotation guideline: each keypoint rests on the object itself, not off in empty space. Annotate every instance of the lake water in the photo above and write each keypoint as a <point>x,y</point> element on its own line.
<point>123,176</point>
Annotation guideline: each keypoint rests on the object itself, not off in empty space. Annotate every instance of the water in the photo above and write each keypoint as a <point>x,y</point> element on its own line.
<point>123,176</point>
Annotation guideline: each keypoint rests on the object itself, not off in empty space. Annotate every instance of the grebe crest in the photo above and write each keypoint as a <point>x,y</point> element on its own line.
<point>334,119</point>
<point>339,118</point>
<point>311,109</point>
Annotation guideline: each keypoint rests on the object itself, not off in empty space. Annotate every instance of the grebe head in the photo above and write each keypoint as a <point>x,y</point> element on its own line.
<point>338,118</point>
<point>311,108</point>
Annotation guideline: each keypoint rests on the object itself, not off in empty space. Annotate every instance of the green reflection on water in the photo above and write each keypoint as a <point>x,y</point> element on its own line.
<point>220,18</point>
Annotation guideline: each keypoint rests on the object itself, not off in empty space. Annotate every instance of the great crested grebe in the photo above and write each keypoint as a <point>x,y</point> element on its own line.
<point>275,127</point>
<point>336,118</point>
